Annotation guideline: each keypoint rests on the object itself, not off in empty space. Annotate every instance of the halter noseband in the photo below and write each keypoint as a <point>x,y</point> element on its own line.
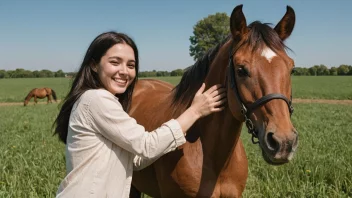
<point>246,111</point>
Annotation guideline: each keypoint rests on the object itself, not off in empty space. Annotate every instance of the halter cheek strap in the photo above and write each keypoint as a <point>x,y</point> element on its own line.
<point>246,111</point>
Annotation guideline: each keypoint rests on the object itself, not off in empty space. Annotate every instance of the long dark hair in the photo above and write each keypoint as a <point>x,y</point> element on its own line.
<point>87,79</point>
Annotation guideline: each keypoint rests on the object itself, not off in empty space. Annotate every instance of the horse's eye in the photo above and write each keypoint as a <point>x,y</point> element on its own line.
<point>242,72</point>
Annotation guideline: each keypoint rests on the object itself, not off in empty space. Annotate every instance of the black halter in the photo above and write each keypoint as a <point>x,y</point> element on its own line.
<point>248,110</point>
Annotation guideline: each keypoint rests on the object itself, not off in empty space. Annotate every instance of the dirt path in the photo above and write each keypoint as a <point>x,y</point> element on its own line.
<point>21,103</point>
<point>297,100</point>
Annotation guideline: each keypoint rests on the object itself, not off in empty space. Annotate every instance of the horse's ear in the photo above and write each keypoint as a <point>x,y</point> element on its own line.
<point>285,27</point>
<point>238,24</point>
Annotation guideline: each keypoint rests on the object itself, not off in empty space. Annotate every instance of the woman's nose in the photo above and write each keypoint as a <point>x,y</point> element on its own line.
<point>123,69</point>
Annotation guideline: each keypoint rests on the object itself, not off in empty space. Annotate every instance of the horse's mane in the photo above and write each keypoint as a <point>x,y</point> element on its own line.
<point>259,36</point>
<point>194,76</point>
<point>29,95</point>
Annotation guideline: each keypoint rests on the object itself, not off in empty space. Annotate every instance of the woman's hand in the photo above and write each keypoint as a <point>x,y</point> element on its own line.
<point>210,101</point>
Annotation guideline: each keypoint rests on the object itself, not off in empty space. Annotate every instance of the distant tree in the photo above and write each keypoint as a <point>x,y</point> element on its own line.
<point>312,71</point>
<point>177,72</point>
<point>36,74</point>
<point>162,73</point>
<point>301,71</point>
<point>342,70</point>
<point>298,71</point>
<point>350,70</point>
<point>2,73</point>
<point>71,74</point>
<point>207,33</point>
<point>46,73</point>
<point>333,71</point>
<point>322,70</point>
<point>11,73</point>
<point>59,73</point>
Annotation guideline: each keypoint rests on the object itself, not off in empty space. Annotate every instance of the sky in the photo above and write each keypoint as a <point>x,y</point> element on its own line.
<point>50,34</point>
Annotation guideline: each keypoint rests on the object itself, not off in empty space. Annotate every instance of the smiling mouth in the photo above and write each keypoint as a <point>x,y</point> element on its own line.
<point>120,81</point>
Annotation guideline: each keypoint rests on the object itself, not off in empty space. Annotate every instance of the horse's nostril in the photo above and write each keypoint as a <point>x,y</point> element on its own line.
<point>271,142</point>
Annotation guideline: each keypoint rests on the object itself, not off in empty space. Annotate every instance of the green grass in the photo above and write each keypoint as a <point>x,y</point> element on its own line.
<point>322,87</point>
<point>16,89</point>
<point>32,160</point>
<point>310,87</point>
<point>322,166</point>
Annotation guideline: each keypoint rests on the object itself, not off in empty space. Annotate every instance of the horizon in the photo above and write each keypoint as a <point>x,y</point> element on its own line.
<point>55,35</point>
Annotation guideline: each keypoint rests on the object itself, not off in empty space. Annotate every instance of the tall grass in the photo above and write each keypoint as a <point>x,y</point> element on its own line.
<point>32,160</point>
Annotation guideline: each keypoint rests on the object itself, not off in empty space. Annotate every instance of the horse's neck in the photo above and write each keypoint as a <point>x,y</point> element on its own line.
<point>220,131</point>
<point>29,96</point>
<point>219,135</point>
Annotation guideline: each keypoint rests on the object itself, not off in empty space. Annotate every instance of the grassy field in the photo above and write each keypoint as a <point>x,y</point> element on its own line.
<point>15,90</point>
<point>315,87</point>
<point>32,160</point>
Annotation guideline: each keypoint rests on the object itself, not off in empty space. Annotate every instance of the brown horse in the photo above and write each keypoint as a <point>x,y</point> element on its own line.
<point>256,69</point>
<point>40,93</point>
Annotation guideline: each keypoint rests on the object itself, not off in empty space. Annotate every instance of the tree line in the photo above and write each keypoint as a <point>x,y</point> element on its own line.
<point>322,70</point>
<point>22,73</point>
<point>316,70</point>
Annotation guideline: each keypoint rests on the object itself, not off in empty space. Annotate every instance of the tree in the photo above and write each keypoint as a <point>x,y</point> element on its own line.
<point>350,70</point>
<point>207,33</point>
<point>333,71</point>
<point>342,70</point>
<point>46,73</point>
<point>322,70</point>
<point>176,72</point>
<point>2,73</point>
<point>312,71</point>
<point>59,73</point>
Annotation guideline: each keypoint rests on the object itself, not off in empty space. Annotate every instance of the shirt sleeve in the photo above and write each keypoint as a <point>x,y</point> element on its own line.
<point>109,119</point>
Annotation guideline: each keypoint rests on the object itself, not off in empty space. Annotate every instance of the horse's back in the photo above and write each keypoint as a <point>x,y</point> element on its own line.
<point>151,85</point>
<point>150,98</point>
<point>148,95</point>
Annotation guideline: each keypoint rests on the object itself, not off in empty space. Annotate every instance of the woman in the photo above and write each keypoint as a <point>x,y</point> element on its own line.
<point>103,143</point>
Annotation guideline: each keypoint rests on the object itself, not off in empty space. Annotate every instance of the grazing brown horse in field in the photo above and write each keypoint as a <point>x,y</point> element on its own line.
<point>254,66</point>
<point>40,93</point>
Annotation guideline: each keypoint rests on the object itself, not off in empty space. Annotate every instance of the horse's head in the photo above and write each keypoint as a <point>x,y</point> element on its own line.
<point>259,77</point>
<point>25,103</point>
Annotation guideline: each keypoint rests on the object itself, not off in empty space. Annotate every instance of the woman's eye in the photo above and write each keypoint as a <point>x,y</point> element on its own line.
<point>131,66</point>
<point>114,63</point>
<point>242,72</point>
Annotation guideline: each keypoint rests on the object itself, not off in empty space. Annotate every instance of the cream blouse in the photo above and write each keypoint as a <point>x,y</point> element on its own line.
<point>104,146</point>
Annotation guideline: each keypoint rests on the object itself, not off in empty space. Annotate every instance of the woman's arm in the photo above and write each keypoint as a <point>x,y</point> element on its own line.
<point>108,118</point>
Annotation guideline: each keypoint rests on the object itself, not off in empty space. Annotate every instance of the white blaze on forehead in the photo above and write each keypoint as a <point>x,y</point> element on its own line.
<point>268,54</point>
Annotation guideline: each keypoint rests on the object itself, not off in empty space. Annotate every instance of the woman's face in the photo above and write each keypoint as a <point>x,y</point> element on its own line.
<point>116,69</point>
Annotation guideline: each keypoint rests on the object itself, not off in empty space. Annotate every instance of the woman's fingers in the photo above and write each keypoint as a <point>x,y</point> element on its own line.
<point>201,89</point>
<point>220,96</point>
<point>219,103</point>
<point>213,88</point>
<point>217,92</point>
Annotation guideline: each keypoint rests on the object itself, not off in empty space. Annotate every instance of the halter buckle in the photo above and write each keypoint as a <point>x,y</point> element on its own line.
<point>249,125</point>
